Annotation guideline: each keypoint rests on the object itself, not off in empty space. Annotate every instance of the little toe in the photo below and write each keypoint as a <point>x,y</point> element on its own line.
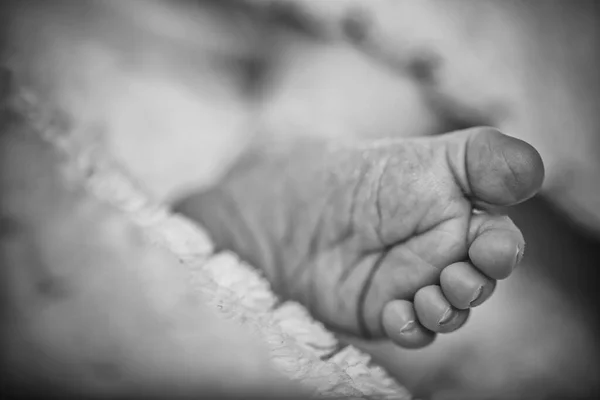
<point>402,327</point>
<point>436,313</point>
<point>493,168</point>
<point>464,286</point>
<point>496,245</point>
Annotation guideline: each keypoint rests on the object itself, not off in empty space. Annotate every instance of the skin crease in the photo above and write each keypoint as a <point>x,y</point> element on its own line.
<point>536,66</point>
<point>344,243</point>
<point>438,361</point>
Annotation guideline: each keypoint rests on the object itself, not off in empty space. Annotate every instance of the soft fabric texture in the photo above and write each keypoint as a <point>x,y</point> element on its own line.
<point>298,347</point>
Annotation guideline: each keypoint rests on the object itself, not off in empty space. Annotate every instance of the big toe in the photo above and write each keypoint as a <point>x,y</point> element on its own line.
<point>493,168</point>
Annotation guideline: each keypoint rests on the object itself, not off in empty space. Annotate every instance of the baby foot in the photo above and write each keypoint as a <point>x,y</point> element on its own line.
<point>391,238</point>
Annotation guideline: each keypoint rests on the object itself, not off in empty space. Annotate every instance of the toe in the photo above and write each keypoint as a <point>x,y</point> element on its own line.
<point>493,168</point>
<point>436,313</point>
<point>496,245</point>
<point>464,286</point>
<point>402,327</point>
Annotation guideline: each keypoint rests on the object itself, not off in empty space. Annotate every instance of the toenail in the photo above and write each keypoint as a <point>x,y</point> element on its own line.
<point>408,327</point>
<point>476,295</point>
<point>447,316</point>
<point>518,256</point>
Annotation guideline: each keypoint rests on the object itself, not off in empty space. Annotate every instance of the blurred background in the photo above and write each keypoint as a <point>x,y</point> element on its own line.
<point>177,91</point>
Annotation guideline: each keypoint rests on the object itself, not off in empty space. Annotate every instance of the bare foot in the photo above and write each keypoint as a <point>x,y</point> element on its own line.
<point>379,239</point>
